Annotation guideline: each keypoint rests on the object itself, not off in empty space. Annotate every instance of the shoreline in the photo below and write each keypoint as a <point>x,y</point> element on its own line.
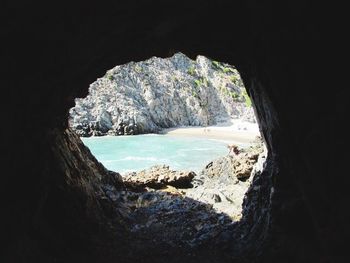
<point>238,132</point>
<point>232,131</point>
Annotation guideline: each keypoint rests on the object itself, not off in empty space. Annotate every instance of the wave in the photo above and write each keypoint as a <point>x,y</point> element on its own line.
<point>194,149</point>
<point>137,158</point>
<point>109,161</point>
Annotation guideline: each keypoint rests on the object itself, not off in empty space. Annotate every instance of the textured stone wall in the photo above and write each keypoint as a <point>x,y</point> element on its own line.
<point>146,96</point>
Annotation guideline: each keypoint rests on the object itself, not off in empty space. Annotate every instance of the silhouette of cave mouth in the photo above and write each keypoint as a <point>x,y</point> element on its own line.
<point>161,219</point>
<point>59,204</point>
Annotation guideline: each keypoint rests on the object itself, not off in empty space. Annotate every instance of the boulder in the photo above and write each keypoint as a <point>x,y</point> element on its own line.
<point>224,181</point>
<point>159,176</point>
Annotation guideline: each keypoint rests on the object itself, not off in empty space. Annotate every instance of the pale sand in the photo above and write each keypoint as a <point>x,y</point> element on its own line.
<point>234,131</point>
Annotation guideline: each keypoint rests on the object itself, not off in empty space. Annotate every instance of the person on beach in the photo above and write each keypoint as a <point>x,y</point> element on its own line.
<point>233,149</point>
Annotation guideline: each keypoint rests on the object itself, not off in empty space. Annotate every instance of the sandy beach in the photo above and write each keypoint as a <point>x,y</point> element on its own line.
<point>234,131</point>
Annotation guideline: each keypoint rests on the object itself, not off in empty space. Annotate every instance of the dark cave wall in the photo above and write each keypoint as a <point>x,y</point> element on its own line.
<point>53,52</point>
<point>62,211</point>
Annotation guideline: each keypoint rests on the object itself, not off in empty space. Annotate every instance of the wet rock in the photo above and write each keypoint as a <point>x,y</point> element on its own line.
<point>159,176</point>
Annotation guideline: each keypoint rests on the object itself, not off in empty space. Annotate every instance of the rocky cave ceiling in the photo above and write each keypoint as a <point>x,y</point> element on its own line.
<point>52,52</point>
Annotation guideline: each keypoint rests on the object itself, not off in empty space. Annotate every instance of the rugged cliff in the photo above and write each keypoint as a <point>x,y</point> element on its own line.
<point>160,93</point>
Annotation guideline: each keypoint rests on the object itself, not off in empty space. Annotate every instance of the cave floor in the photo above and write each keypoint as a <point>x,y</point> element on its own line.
<point>167,218</point>
<point>164,219</point>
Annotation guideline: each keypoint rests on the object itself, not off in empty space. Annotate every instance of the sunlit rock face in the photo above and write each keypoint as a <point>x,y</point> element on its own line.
<point>224,181</point>
<point>146,96</point>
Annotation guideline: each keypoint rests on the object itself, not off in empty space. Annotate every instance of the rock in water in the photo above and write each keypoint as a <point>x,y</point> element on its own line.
<point>147,96</point>
<point>159,176</point>
<point>224,181</point>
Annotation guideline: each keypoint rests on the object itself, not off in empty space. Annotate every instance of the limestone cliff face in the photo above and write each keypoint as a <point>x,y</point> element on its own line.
<point>160,93</point>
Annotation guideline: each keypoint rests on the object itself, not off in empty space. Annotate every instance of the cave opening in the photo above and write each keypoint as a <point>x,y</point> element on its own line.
<point>61,205</point>
<point>182,137</point>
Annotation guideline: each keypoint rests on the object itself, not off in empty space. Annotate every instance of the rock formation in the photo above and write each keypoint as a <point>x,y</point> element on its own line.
<point>159,176</point>
<point>158,93</point>
<point>294,211</point>
<point>224,181</point>
<point>161,216</point>
<point>222,184</point>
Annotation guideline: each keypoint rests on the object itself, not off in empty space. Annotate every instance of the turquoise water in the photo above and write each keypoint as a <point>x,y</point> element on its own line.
<point>133,153</point>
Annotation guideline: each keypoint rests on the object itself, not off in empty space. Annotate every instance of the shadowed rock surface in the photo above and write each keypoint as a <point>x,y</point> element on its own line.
<point>294,211</point>
<point>161,218</point>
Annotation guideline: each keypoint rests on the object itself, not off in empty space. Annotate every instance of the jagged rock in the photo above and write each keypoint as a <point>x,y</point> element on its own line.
<point>104,122</point>
<point>159,176</point>
<point>224,181</point>
<point>158,93</point>
<point>171,218</point>
<point>187,216</point>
